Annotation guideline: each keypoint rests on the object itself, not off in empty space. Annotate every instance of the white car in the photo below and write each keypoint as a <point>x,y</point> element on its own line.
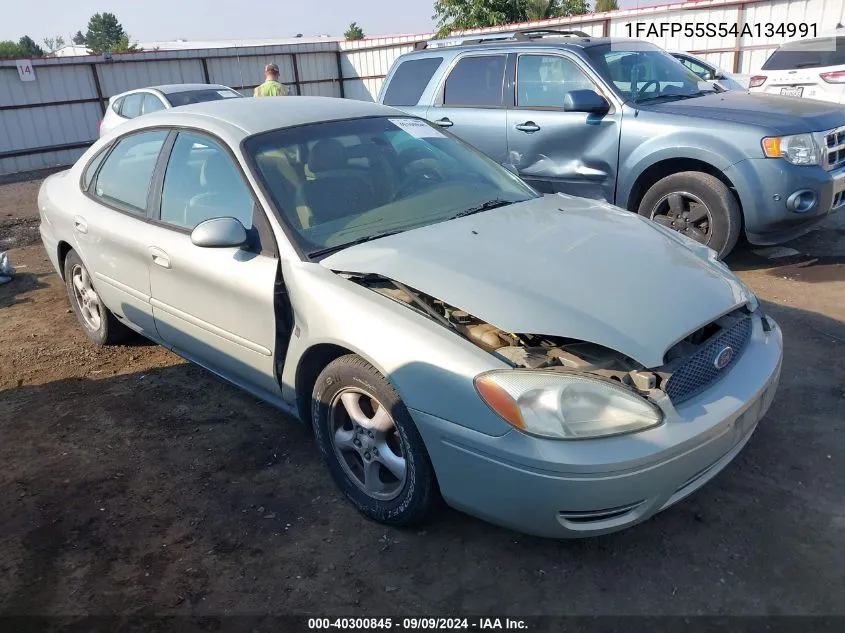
<point>133,103</point>
<point>809,68</point>
<point>711,73</point>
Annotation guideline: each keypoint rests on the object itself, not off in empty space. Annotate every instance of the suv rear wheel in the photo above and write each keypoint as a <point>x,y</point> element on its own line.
<point>697,205</point>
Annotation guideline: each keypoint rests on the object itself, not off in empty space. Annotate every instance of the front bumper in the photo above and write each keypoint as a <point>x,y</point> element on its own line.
<point>764,185</point>
<point>572,489</point>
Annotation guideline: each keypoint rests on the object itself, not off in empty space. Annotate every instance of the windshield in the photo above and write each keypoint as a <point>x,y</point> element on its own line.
<point>646,73</point>
<point>817,53</point>
<point>343,182</point>
<point>198,96</point>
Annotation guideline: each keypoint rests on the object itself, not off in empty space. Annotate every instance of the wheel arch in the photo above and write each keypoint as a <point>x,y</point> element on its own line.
<point>63,249</point>
<point>666,167</point>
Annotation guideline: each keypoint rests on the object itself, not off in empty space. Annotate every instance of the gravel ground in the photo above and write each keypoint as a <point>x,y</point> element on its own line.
<point>133,483</point>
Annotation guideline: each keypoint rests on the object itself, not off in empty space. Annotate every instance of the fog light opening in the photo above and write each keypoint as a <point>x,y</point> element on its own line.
<point>801,201</point>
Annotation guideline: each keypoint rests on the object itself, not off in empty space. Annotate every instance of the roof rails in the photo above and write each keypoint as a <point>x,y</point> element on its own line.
<point>497,37</point>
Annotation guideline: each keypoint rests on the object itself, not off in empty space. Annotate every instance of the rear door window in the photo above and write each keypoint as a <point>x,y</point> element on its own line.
<point>409,81</point>
<point>476,81</point>
<point>818,53</point>
<point>124,179</point>
<point>132,105</point>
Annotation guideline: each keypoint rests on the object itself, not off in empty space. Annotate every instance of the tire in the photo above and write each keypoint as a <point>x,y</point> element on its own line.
<point>695,190</point>
<point>349,381</point>
<point>105,329</point>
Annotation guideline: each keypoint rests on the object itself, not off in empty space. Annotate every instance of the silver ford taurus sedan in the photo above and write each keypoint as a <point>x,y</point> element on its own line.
<point>548,363</point>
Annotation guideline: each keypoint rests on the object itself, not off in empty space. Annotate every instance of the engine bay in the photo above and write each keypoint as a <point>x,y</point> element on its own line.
<point>521,350</point>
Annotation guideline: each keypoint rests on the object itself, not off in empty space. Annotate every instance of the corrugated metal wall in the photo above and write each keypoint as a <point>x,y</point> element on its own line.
<point>52,120</point>
<point>78,86</point>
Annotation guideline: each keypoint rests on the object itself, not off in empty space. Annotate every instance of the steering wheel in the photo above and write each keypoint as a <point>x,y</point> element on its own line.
<point>419,180</point>
<point>647,84</point>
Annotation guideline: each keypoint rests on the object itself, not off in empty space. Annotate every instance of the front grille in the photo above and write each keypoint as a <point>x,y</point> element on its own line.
<point>700,370</point>
<point>834,149</point>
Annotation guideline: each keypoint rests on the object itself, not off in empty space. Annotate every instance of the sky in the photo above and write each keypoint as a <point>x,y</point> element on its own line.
<point>163,20</point>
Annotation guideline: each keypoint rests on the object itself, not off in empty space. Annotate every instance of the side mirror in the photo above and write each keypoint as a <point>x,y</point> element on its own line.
<point>585,101</point>
<point>219,233</point>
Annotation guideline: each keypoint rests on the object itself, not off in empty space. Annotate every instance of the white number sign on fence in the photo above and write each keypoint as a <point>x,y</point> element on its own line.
<point>25,70</point>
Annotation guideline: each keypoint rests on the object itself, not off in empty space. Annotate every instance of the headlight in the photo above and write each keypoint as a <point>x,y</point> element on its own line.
<point>798,149</point>
<point>564,405</point>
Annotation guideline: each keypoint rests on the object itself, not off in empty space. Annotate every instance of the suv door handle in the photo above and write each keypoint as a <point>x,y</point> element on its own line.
<point>159,257</point>
<point>79,224</point>
<point>444,122</point>
<point>528,126</point>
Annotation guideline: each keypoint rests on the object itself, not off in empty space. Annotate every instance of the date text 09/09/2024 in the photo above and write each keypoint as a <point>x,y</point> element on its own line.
<point>418,623</point>
<point>721,29</point>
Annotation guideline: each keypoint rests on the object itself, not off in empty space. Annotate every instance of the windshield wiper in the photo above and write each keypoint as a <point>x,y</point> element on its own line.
<point>339,247</point>
<point>676,97</point>
<point>484,206</point>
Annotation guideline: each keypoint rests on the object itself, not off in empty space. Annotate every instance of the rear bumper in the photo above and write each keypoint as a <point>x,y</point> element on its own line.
<point>573,489</point>
<point>765,185</point>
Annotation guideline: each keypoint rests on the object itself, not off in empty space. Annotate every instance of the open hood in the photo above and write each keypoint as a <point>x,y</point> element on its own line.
<point>560,266</point>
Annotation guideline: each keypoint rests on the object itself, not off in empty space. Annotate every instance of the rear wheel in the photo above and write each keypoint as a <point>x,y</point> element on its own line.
<point>370,443</point>
<point>98,323</point>
<point>697,205</point>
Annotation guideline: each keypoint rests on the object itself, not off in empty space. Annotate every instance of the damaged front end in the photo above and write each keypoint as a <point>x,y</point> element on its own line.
<point>689,366</point>
<point>519,350</point>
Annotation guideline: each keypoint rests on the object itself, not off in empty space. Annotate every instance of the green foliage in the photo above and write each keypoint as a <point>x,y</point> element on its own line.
<point>452,15</point>
<point>24,48</point>
<point>78,39</point>
<point>354,32</point>
<point>124,46</point>
<point>105,33</point>
<point>606,5</point>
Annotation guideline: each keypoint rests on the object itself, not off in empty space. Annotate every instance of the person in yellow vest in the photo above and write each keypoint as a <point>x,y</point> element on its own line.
<point>271,86</point>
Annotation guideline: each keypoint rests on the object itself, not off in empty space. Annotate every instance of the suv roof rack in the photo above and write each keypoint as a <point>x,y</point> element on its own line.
<point>484,38</point>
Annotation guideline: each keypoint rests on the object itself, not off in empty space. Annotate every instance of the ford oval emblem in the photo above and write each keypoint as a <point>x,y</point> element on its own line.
<point>724,357</point>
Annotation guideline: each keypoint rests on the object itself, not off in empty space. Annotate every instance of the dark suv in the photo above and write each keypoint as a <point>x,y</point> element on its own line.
<point>623,121</point>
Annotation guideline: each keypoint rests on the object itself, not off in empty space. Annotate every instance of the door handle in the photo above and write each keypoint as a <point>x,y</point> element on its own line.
<point>159,257</point>
<point>444,122</point>
<point>528,126</point>
<point>79,224</point>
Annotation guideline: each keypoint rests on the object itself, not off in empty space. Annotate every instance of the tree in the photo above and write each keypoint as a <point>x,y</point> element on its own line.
<point>78,39</point>
<point>54,43</point>
<point>124,46</point>
<point>538,9</point>
<point>105,33</point>
<point>454,15</point>
<point>28,47</point>
<point>354,32</point>
<point>606,5</point>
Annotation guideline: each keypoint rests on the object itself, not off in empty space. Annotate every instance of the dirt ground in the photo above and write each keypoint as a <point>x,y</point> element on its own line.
<point>133,483</point>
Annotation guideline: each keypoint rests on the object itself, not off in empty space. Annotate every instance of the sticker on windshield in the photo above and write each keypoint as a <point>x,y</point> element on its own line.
<point>417,128</point>
<point>227,94</point>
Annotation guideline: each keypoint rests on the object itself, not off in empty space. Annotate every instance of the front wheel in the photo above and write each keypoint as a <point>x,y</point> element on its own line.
<point>370,443</point>
<point>697,205</point>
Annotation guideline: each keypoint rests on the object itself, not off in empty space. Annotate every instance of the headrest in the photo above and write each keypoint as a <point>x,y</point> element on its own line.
<point>327,155</point>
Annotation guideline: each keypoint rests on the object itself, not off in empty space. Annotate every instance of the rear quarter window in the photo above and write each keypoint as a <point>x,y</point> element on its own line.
<point>410,80</point>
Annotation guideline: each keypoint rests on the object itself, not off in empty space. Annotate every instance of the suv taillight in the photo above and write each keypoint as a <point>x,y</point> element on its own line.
<point>836,77</point>
<point>756,81</point>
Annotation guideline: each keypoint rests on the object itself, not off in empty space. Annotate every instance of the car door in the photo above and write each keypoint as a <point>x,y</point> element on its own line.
<point>213,305</point>
<point>554,150</point>
<point>470,103</point>
<point>111,226</point>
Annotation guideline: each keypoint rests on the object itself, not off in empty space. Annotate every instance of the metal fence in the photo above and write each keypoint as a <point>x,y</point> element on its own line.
<point>51,120</point>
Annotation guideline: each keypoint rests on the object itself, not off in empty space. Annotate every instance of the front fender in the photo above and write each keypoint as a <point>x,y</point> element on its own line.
<point>431,367</point>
